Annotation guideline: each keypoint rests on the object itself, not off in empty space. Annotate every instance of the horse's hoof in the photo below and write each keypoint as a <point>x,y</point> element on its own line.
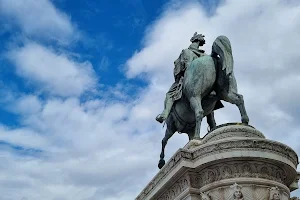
<point>160,118</point>
<point>197,138</point>
<point>245,122</point>
<point>161,163</point>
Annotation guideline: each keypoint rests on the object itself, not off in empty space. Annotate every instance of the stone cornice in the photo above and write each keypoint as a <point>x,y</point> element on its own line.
<point>216,144</point>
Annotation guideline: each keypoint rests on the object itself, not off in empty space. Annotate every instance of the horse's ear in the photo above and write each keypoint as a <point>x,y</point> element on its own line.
<point>195,33</point>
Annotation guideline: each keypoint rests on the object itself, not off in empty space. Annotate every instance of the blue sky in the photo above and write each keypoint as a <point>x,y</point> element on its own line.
<point>82,81</point>
<point>107,35</point>
<point>110,33</point>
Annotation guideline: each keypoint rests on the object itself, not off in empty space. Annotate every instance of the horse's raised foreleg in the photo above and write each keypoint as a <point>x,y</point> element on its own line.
<point>168,134</point>
<point>211,120</point>
<point>199,114</point>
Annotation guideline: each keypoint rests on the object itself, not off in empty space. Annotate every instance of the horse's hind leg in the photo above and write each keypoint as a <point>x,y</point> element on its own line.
<point>233,97</point>
<point>211,120</point>
<point>238,100</point>
<point>199,114</point>
<point>168,134</point>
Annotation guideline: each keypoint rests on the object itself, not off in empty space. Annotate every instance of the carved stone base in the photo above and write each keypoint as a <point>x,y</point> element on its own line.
<point>231,162</point>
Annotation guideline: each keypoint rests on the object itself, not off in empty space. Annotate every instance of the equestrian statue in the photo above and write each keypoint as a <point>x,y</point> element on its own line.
<point>201,81</point>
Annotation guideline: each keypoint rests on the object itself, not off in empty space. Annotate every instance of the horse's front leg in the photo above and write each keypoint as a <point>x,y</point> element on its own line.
<point>164,142</point>
<point>199,114</point>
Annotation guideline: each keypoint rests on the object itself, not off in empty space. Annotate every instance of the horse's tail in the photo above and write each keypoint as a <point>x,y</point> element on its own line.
<point>222,47</point>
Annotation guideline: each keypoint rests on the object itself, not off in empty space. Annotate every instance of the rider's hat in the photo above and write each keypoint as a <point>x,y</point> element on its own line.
<point>198,37</point>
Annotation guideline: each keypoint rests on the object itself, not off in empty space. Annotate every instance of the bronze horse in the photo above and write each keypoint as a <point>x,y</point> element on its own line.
<point>207,80</point>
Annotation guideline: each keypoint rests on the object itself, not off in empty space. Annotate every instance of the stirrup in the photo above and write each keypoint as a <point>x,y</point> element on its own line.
<point>160,118</point>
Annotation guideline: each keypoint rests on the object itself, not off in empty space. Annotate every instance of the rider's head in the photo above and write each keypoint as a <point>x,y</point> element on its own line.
<point>198,38</point>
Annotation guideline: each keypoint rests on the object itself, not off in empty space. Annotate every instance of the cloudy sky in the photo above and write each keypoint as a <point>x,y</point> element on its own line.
<point>81,83</point>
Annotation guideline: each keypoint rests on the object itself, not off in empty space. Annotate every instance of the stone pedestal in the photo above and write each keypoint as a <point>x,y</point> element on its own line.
<point>231,162</point>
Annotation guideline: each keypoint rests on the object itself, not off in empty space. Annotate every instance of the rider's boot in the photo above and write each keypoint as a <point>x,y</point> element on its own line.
<point>168,106</point>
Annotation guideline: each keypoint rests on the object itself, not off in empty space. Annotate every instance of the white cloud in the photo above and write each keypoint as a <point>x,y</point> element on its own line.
<point>28,104</point>
<point>80,136</point>
<point>38,18</point>
<point>57,73</point>
<point>168,36</point>
<point>24,137</point>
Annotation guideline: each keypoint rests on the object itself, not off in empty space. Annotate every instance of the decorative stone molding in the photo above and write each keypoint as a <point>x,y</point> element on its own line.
<point>177,188</point>
<point>238,169</point>
<point>230,130</point>
<point>205,196</point>
<point>260,145</point>
<point>230,152</point>
<point>172,163</point>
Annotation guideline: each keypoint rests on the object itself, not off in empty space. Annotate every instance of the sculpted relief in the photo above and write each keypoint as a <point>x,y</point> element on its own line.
<point>205,196</point>
<point>274,193</point>
<point>237,192</point>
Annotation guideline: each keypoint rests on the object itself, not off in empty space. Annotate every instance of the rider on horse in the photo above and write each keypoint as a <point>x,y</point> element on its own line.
<point>183,61</point>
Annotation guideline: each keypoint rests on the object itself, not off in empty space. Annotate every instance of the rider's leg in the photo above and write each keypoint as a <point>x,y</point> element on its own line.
<point>168,106</point>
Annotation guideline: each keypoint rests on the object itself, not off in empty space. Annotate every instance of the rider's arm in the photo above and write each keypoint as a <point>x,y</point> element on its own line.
<point>185,60</point>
